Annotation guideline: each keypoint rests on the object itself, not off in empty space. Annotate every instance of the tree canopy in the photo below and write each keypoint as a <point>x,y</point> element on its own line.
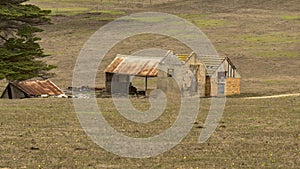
<point>20,53</point>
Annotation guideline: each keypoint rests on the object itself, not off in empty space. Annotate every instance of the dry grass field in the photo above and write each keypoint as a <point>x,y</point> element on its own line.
<point>252,134</point>
<point>261,38</point>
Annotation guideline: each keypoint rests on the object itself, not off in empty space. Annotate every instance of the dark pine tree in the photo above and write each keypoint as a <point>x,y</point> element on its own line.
<point>20,54</point>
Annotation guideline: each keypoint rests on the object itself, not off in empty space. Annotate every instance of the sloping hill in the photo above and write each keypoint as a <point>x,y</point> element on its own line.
<point>230,5</point>
<point>261,37</point>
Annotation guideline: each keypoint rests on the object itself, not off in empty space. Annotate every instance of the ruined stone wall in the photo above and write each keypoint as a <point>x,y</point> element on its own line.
<point>233,86</point>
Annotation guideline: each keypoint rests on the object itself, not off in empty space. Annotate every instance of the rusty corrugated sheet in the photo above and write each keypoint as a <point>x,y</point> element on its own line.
<point>134,65</point>
<point>37,88</point>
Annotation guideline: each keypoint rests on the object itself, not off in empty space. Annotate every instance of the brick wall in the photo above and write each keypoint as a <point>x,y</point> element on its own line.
<point>233,86</point>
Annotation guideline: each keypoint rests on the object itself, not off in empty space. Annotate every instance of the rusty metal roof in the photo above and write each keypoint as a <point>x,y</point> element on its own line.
<point>134,65</point>
<point>37,88</point>
<point>147,66</point>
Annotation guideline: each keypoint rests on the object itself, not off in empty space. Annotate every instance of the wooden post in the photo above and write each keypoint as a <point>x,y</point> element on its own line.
<point>146,81</point>
<point>233,73</point>
<point>228,70</point>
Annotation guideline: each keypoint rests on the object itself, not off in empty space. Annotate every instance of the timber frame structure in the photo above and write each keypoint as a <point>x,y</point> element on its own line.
<point>215,76</point>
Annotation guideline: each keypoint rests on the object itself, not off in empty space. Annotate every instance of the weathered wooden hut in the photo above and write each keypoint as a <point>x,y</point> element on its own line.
<point>215,76</point>
<point>31,89</point>
<point>222,78</point>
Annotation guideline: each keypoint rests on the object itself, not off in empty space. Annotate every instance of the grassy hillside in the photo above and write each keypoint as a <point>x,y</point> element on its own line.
<point>261,37</point>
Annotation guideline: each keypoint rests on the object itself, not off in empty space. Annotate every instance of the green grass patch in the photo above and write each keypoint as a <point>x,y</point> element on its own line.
<point>150,19</point>
<point>110,12</point>
<point>273,82</point>
<point>201,20</point>
<point>272,38</point>
<point>290,17</point>
<point>192,16</point>
<point>209,22</point>
<point>277,53</point>
<point>69,11</point>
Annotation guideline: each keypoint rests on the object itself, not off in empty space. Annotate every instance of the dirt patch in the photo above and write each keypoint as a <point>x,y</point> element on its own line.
<point>274,96</point>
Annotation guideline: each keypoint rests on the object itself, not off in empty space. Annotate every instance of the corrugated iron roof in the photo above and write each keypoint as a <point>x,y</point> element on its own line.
<point>212,63</point>
<point>134,65</point>
<point>37,88</point>
<point>147,66</point>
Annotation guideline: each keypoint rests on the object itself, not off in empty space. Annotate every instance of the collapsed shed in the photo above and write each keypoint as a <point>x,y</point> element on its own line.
<point>123,67</point>
<point>31,89</point>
